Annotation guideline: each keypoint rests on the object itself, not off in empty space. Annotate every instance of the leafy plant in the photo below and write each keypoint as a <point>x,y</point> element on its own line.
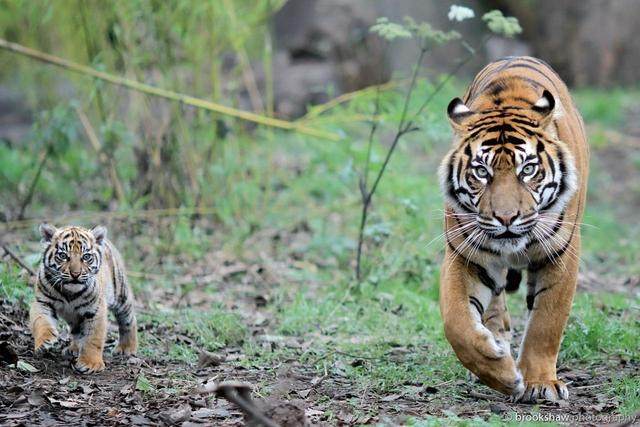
<point>426,38</point>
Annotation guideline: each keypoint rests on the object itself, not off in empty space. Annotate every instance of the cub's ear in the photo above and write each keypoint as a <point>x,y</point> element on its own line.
<point>458,113</point>
<point>544,106</point>
<point>100,233</point>
<point>47,232</point>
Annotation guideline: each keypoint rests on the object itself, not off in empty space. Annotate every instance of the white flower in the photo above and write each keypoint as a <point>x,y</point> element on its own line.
<point>460,13</point>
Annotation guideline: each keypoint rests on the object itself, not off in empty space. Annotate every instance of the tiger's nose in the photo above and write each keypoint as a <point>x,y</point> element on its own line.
<point>75,274</point>
<point>506,217</point>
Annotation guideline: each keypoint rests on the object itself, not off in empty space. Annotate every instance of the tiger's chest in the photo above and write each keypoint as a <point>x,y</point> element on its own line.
<point>77,302</point>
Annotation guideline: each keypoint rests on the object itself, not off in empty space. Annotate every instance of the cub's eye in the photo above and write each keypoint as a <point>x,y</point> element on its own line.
<point>63,256</point>
<point>482,172</point>
<point>87,257</point>
<point>528,170</point>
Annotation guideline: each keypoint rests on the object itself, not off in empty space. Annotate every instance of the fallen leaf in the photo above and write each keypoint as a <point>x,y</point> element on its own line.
<point>24,366</point>
<point>391,397</point>
<point>207,359</point>
<point>37,398</point>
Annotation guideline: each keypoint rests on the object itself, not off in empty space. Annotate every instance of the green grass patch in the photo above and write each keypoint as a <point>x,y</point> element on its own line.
<point>602,325</point>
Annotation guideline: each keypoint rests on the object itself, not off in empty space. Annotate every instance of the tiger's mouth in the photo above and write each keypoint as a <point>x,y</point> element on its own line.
<point>508,235</point>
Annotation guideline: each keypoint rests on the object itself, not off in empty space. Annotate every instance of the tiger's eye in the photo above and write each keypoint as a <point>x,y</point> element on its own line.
<point>482,172</point>
<point>87,257</point>
<point>63,256</point>
<point>528,170</point>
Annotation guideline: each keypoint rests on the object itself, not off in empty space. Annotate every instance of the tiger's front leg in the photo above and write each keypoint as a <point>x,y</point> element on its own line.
<point>482,348</point>
<point>549,301</point>
<point>90,336</point>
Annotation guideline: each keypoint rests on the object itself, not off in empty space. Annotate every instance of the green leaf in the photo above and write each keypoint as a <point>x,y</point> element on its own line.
<point>507,26</point>
<point>143,384</point>
<point>390,30</point>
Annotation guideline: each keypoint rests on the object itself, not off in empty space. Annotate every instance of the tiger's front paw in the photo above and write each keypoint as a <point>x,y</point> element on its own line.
<point>488,345</point>
<point>89,364</point>
<point>552,390</point>
<point>45,340</point>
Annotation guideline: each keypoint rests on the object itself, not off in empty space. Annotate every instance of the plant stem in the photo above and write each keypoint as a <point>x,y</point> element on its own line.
<point>404,126</point>
<point>367,195</point>
<point>43,159</point>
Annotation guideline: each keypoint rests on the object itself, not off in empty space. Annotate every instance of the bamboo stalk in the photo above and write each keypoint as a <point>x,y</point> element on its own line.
<point>168,94</point>
<point>104,159</point>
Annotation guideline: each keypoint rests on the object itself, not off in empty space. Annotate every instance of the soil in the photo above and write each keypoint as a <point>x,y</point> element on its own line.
<point>155,390</point>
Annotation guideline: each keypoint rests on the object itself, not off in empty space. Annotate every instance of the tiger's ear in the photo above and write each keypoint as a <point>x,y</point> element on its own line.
<point>47,231</point>
<point>545,106</point>
<point>100,233</point>
<point>458,113</point>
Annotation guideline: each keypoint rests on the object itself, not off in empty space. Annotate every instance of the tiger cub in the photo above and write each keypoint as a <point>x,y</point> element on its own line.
<point>82,274</point>
<point>515,184</point>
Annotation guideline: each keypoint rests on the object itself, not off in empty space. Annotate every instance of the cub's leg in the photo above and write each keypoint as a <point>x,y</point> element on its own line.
<point>549,301</point>
<point>90,336</point>
<point>127,325</point>
<point>42,321</point>
<point>72,349</point>
<point>464,300</point>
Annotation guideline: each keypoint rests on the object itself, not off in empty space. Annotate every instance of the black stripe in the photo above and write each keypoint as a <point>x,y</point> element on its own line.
<point>477,304</point>
<point>484,277</point>
<point>514,277</point>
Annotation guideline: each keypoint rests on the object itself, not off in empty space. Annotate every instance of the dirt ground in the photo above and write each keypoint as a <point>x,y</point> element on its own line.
<point>156,391</point>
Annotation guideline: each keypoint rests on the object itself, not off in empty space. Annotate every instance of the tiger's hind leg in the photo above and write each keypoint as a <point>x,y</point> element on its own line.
<point>42,321</point>
<point>127,325</point>
<point>549,302</point>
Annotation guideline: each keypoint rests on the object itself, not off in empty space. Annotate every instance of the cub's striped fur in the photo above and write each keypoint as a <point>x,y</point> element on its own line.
<point>515,184</point>
<point>82,274</point>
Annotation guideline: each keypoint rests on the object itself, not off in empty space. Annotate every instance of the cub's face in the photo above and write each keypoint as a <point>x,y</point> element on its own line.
<point>72,255</point>
<point>508,178</point>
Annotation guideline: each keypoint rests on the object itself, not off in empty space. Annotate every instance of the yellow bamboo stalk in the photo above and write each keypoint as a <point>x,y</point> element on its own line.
<point>345,97</point>
<point>163,93</point>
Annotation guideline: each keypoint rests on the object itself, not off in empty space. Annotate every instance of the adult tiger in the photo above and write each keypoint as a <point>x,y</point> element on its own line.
<point>515,184</point>
<point>82,275</point>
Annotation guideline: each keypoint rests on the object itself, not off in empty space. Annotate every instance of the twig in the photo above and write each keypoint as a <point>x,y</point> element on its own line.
<point>168,94</point>
<point>17,259</point>
<point>239,394</point>
<point>107,162</point>
<point>364,182</point>
<point>404,126</point>
<point>367,195</point>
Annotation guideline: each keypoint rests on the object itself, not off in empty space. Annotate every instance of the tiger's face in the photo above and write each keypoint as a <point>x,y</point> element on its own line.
<point>509,178</point>
<point>73,255</point>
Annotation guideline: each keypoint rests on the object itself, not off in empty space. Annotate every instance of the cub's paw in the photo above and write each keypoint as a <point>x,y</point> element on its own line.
<point>552,390</point>
<point>88,365</point>
<point>71,351</point>
<point>45,342</point>
<point>126,348</point>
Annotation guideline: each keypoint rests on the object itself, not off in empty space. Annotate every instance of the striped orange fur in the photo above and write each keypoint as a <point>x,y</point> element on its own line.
<point>82,276</point>
<point>515,185</point>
